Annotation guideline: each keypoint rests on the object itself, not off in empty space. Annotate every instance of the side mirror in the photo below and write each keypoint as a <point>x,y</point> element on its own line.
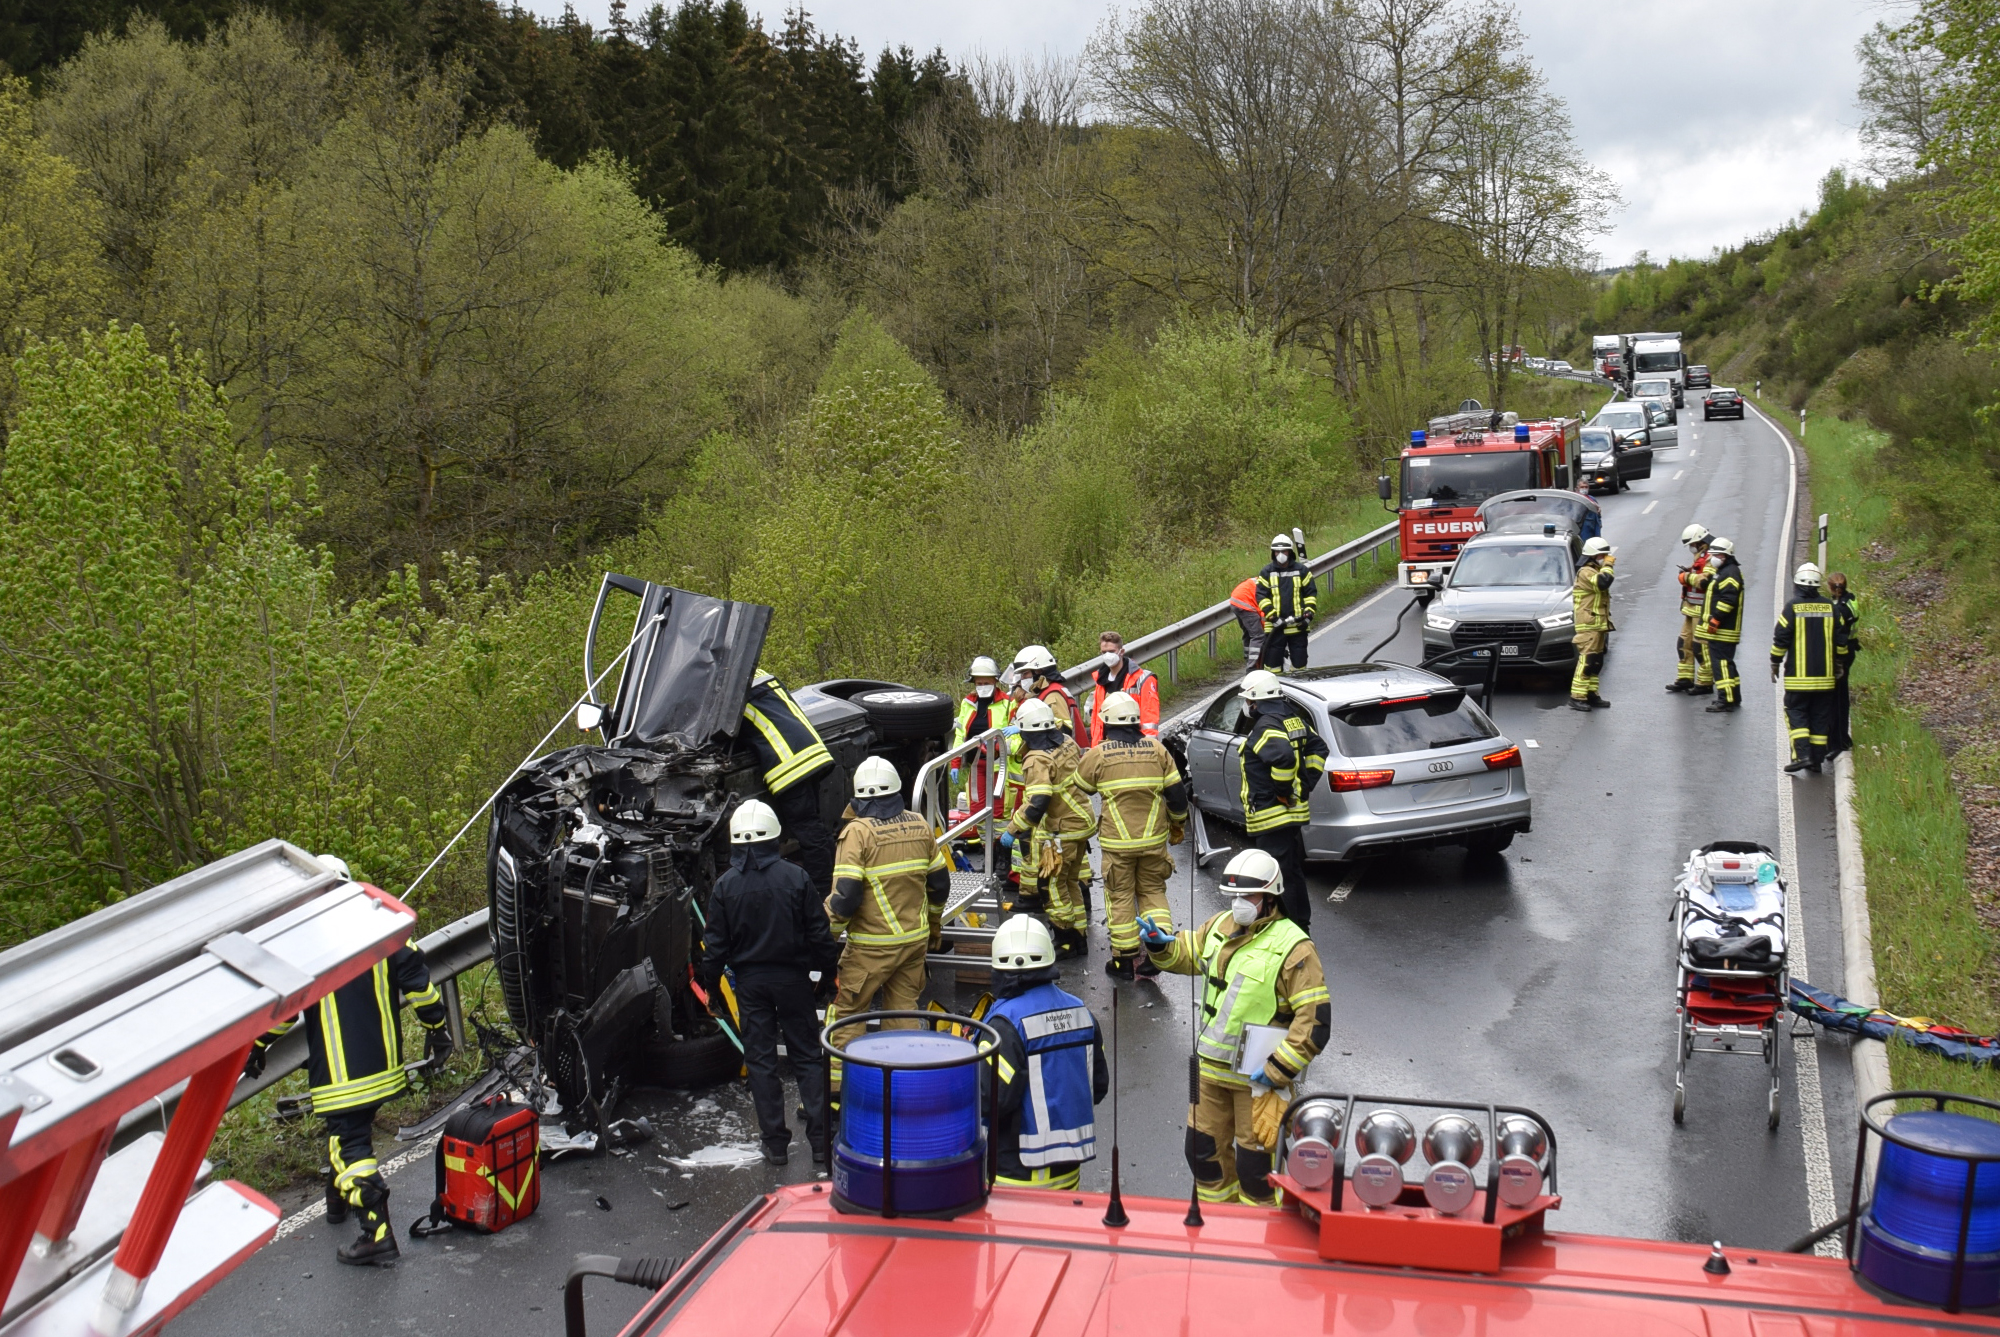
<point>1433,582</point>
<point>589,715</point>
<point>1382,488</point>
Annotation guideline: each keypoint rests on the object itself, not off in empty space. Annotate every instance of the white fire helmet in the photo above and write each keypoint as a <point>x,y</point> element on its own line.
<point>1808,575</point>
<point>1023,943</point>
<point>1253,873</point>
<point>1727,547</point>
<point>1695,535</point>
<point>753,821</point>
<point>1034,716</point>
<point>1597,547</point>
<point>1261,685</point>
<point>876,778</point>
<point>1034,660</point>
<point>984,667</point>
<point>1283,543</point>
<point>1120,708</point>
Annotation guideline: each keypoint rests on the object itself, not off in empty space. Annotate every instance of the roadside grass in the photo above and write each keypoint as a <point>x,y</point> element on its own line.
<point>1933,956</point>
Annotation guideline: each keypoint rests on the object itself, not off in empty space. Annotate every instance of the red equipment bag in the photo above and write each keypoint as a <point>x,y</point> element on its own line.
<point>485,1162</point>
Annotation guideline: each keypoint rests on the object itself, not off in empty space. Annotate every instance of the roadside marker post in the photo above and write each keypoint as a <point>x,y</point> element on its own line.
<point>1822,542</point>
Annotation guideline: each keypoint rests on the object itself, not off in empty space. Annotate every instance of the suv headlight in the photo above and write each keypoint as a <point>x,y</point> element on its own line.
<point>1439,622</point>
<point>1567,617</point>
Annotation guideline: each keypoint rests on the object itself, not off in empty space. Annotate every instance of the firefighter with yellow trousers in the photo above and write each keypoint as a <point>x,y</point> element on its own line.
<point>1692,675</point>
<point>1261,972</point>
<point>1145,808</point>
<point>1283,759</point>
<point>1721,626</point>
<point>1809,646</point>
<point>1590,604</point>
<point>890,883</point>
<point>1050,832</point>
<point>354,1059</point>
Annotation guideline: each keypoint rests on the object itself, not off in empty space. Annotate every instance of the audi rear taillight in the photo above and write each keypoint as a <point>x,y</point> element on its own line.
<point>1344,782</point>
<point>1505,759</point>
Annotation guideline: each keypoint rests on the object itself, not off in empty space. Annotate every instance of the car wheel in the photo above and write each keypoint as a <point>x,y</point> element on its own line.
<point>907,712</point>
<point>683,1065</point>
<point>1488,843</point>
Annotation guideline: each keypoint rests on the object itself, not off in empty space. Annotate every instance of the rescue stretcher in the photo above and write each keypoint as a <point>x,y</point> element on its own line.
<point>1729,915</point>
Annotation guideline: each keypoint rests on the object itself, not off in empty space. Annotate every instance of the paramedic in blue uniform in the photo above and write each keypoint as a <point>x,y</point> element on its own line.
<point>354,1055</point>
<point>1051,1063</point>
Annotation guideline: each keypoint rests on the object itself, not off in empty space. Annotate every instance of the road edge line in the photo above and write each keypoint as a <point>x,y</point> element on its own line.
<point>314,1210</point>
<point>1821,1208</point>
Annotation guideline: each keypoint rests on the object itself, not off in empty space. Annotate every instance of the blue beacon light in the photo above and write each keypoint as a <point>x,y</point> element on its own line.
<point>922,1151</point>
<point>1927,1189</point>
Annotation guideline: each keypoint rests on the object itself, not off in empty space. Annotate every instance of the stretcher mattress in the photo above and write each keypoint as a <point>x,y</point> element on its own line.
<point>1729,924</point>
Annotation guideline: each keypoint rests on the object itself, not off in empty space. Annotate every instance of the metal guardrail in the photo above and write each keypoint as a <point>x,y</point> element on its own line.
<point>1169,641</point>
<point>451,951</point>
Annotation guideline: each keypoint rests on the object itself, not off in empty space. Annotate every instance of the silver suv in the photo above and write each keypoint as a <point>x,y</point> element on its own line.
<point>1508,593</point>
<point>1412,761</point>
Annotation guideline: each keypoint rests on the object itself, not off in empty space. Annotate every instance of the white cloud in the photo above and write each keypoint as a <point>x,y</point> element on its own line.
<point>1717,118</point>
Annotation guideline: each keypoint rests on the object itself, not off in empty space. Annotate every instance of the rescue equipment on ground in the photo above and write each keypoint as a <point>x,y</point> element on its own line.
<point>1729,909</point>
<point>486,1169</point>
<point>1455,1218</point>
<point>913,1114</point>
<point>1931,1233</point>
<point>1825,1008</point>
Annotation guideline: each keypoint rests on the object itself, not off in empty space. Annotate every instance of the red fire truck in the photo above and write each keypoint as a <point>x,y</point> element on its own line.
<point>1448,469</point>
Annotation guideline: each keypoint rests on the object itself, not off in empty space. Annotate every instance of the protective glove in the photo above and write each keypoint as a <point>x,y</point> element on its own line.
<point>1176,833</point>
<point>253,1066</point>
<point>437,1046</point>
<point>1157,939</point>
<point>1267,1111</point>
<point>1774,670</point>
<point>1006,840</point>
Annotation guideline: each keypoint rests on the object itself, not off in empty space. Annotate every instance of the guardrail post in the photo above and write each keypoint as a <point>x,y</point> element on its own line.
<point>1173,664</point>
<point>1211,642</point>
<point>454,1012</point>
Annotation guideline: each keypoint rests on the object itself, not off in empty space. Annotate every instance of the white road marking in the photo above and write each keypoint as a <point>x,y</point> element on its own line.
<point>1820,1206</point>
<point>306,1215</point>
<point>1346,887</point>
<point>1693,453</point>
<point>1531,743</point>
<point>1651,504</point>
<point>1677,474</point>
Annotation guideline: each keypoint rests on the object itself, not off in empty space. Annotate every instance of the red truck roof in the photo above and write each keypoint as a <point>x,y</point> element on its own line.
<point>1044,1264</point>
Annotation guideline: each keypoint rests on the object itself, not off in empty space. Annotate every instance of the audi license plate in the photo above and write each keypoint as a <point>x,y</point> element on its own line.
<point>1510,650</point>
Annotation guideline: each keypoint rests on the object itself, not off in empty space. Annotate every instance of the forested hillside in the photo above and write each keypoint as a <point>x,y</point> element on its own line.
<point>347,344</point>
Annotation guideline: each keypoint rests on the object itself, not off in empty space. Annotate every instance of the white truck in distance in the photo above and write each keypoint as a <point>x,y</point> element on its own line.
<point>1656,355</point>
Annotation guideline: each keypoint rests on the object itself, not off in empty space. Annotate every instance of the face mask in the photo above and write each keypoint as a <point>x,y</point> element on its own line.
<point>1243,910</point>
<point>1111,658</point>
<point>984,691</point>
<point>1282,558</point>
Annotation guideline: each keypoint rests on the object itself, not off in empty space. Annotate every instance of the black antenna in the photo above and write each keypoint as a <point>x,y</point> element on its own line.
<point>1193,1217</point>
<point>1114,1210</point>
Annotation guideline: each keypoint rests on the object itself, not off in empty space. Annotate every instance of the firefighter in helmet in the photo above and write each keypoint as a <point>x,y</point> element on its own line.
<point>794,761</point>
<point>983,708</point>
<point>1692,676</point>
<point>1590,600</point>
<point>1261,971</point>
<point>1283,759</point>
<point>1808,647</point>
<point>1036,678</point>
<point>890,883</point>
<point>1050,832</point>
<point>354,1055</point>
<point>1050,1063</point>
<point>1145,809</point>
<point>1288,597</point>
<point>1721,626</point>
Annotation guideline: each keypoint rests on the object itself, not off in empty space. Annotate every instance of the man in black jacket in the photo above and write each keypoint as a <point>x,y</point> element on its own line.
<point>766,925</point>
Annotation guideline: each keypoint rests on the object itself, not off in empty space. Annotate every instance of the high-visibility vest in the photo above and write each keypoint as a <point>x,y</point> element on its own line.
<point>1247,993</point>
<point>1693,581</point>
<point>1057,1123</point>
<point>1807,639</point>
<point>788,748</point>
<point>999,710</point>
<point>1143,686</point>
<point>1244,596</point>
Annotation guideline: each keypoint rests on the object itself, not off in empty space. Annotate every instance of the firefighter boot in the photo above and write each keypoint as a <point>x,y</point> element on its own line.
<point>1596,702</point>
<point>336,1206</point>
<point>1119,967</point>
<point>1070,942</point>
<point>1702,689</point>
<point>1681,685</point>
<point>377,1245</point>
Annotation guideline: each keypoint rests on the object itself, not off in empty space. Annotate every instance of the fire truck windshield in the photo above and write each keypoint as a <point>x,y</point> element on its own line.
<point>1466,480</point>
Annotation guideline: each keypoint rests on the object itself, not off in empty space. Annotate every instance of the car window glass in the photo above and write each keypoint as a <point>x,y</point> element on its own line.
<point>1593,440</point>
<point>1622,420</point>
<point>1409,726</point>
<point>1226,713</point>
<point>1511,564</point>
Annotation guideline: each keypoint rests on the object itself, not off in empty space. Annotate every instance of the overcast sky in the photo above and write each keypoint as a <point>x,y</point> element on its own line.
<point>1717,118</point>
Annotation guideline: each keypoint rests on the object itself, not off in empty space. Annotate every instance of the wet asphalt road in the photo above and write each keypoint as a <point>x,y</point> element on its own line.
<point>1543,977</point>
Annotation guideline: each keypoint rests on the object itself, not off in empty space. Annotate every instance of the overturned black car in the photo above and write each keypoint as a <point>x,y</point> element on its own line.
<point>600,857</point>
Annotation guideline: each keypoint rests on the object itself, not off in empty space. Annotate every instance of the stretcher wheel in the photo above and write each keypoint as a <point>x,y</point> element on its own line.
<point>1773,1122</point>
<point>1680,1104</point>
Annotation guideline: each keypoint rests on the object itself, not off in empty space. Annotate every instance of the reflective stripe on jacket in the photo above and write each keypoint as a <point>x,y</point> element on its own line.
<point>1057,1031</point>
<point>1266,974</point>
<point>1287,591</point>
<point>893,859</point>
<point>1283,758</point>
<point>1722,605</point>
<point>1590,598</point>
<point>1050,773</point>
<point>1133,778</point>
<point>999,710</point>
<point>788,748</point>
<point>1808,640</point>
<point>354,1049</point>
<point>1693,581</point>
